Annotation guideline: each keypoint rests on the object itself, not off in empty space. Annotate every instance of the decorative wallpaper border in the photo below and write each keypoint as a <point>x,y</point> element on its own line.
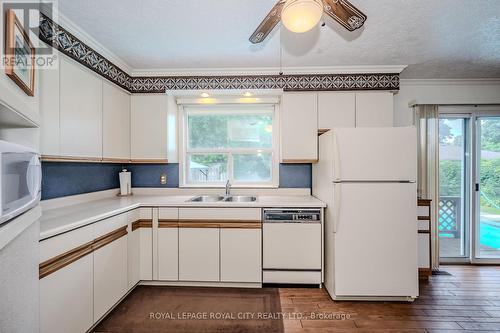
<point>62,40</point>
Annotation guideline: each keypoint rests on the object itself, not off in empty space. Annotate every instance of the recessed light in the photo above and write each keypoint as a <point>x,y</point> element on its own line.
<point>248,94</point>
<point>204,95</point>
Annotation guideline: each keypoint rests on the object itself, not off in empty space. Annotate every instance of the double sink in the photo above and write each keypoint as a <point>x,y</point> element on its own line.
<point>221,198</point>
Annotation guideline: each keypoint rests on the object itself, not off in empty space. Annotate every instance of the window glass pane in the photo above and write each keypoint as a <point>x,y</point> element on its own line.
<point>489,187</point>
<point>230,130</point>
<point>252,167</point>
<point>452,199</point>
<point>207,168</point>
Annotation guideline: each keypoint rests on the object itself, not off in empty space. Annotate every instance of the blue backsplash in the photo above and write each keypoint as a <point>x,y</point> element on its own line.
<point>63,179</point>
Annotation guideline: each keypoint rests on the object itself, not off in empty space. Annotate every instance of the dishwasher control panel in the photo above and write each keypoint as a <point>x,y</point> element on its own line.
<point>292,215</point>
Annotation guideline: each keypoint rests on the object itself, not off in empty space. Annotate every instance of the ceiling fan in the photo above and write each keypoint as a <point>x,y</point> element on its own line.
<point>303,15</point>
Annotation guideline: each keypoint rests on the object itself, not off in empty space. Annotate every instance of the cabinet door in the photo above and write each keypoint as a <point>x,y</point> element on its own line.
<point>116,123</point>
<point>81,111</point>
<point>336,109</point>
<point>299,128</point>
<point>199,254</point>
<point>110,264</point>
<point>374,109</point>
<point>110,276</point>
<point>240,255</point>
<point>140,246</point>
<point>149,128</point>
<point>424,251</point>
<point>49,111</point>
<point>168,244</point>
<point>66,298</point>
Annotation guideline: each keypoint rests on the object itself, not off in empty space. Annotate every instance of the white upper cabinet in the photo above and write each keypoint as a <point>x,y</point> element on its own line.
<point>374,109</point>
<point>149,128</point>
<point>116,123</point>
<point>299,127</point>
<point>336,109</point>
<point>80,111</point>
<point>49,112</point>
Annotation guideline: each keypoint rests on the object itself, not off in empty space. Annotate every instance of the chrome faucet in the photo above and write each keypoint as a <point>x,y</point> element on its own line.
<point>228,188</point>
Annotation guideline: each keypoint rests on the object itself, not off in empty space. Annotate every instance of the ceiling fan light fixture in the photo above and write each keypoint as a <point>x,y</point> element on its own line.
<point>301,15</point>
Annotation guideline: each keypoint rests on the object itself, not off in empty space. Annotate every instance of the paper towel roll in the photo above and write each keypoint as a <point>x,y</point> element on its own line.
<point>125,183</point>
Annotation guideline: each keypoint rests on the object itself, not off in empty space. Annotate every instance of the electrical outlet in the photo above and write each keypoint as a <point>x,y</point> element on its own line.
<point>163,179</point>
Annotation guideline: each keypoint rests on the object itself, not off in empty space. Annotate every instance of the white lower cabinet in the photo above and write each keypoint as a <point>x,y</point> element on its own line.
<point>199,254</point>
<point>66,298</point>
<point>240,255</point>
<point>168,244</point>
<point>140,245</point>
<point>165,244</point>
<point>110,264</point>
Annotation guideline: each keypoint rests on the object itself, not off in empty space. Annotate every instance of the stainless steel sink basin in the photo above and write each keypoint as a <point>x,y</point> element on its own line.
<point>240,198</point>
<point>207,198</point>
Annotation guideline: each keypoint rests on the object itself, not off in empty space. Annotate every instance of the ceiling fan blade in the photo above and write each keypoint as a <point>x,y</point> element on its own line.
<point>268,24</point>
<point>345,13</point>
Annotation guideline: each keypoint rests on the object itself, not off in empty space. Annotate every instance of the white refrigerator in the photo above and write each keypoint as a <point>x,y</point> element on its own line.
<point>367,177</point>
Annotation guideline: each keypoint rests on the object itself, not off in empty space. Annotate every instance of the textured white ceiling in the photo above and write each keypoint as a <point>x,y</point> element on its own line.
<point>436,38</point>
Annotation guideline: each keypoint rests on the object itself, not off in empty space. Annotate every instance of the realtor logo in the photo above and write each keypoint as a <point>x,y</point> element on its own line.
<point>21,27</point>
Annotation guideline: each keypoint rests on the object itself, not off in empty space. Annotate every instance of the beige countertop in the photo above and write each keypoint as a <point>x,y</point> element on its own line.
<point>55,221</point>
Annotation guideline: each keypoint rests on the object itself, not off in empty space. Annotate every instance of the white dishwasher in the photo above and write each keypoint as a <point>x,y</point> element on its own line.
<point>292,246</point>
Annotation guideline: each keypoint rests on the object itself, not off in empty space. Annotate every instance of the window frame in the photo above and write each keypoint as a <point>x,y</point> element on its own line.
<point>253,109</point>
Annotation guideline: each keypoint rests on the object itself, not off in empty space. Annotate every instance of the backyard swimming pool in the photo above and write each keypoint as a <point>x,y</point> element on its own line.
<point>490,233</point>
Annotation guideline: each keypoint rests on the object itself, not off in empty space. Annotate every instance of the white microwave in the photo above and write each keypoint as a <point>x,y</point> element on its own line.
<point>20,180</point>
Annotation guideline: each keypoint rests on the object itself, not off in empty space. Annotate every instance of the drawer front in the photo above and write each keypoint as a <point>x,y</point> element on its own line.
<point>52,247</point>
<point>218,214</point>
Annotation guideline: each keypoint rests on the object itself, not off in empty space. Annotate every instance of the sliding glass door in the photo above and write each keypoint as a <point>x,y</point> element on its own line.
<point>487,188</point>
<point>469,185</point>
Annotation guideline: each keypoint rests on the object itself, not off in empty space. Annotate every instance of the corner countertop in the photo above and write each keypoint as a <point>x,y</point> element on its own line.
<point>56,221</point>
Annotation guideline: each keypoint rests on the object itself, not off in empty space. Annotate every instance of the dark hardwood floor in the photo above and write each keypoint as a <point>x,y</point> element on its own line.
<point>467,301</point>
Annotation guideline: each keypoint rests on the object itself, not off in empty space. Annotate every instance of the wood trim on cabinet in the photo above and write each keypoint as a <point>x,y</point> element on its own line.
<point>168,223</point>
<point>143,223</point>
<point>149,161</point>
<point>198,224</point>
<point>241,225</point>
<point>233,224</point>
<point>53,158</point>
<point>424,202</point>
<point>115,160</point>
<point>54,264</point>
<point>290,161</point>
<point>108,238</point>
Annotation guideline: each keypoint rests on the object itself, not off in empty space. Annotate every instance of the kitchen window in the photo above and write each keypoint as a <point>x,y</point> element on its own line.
<point>229,142</point>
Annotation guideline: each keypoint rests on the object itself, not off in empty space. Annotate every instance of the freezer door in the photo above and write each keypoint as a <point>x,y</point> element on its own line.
<point>375,154</point>
<point>375,240</point>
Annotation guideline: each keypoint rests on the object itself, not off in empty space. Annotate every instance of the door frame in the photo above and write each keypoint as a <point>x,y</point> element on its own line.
<point>473,112</point>
<point>476,210</point>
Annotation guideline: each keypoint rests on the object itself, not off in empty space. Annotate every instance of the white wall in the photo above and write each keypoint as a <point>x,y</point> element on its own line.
<point>481,91</point>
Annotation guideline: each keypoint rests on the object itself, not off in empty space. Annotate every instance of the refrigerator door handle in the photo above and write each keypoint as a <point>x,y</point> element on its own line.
<point>337,192</point>
<point>336,158</point>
